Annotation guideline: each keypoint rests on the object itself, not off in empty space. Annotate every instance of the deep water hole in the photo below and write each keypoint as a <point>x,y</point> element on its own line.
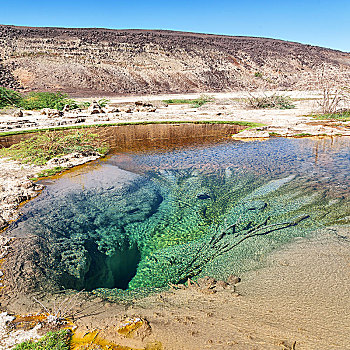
<point>145,218</point>
<point>107,271</point>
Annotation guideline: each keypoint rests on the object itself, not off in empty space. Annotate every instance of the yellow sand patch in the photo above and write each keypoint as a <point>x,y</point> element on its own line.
<point>92,340</point>
<point>129,326</point>
<point>28,321</point>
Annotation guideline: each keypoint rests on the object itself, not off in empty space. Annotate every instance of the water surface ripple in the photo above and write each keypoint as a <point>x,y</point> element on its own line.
<point>143,218</point>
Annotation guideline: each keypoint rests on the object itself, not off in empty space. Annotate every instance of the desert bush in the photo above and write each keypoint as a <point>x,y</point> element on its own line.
<point>273,101</point>
<point>342,115</point>
<point>102,102</point>
<point>203,99</point>
<point>44,146</point>
<point>51,341</point>
<point>335,92</point>
<point>195,103</point>
<point>9,97</point>
<point>39,100</point>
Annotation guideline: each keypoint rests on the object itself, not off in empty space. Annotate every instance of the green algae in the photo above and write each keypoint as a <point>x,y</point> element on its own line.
<point>214,210</point>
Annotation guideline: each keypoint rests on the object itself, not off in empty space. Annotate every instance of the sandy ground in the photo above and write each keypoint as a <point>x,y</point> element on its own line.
<point>226,107</point>
<point>300,300</point>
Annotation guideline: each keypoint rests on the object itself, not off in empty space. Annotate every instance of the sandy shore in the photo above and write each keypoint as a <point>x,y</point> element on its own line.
<point>300,300</point>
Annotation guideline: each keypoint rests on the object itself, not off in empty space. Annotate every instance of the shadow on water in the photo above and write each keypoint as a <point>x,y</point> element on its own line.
<point>109,271</point>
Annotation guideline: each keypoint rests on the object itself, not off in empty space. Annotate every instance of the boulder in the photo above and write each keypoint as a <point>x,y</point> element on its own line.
<point>3,223</point>
<point>95,108</point>
<point>51,113</point>
<point>232,279</point>
<point>143,104</point>
<point>66,108</point>
<point>18,114</point>
<point>112,110</point>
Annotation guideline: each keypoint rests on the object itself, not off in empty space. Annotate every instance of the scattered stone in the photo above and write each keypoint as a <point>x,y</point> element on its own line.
<point>95,108</point>
<point>66,108</point>
<point>206,282</point>
<point>143,104</point>
<point>18,114</point>
<point>51,113</point>
<point>112,110</point>
<point>220,285</point>
<point>3,223</point>
<point>232,279</point>
<point>102,118</point>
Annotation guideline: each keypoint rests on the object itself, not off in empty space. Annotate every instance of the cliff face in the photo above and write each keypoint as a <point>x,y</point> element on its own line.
<point>103,61</point>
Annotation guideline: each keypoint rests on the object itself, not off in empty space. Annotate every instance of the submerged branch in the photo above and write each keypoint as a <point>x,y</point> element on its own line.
<point>223,241</point>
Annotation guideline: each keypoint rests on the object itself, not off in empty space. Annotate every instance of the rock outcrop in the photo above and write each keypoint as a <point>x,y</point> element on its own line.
<point>103,61</point>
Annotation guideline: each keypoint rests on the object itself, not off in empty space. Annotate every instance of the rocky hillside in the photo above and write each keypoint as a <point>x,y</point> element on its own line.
<point>104,62</point>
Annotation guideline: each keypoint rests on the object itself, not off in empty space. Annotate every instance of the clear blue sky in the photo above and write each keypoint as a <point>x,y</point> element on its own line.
<point>317,22</point>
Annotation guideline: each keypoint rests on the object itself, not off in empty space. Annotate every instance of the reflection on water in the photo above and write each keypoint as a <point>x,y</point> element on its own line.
<point>150,137</point>
<point>143,218</point>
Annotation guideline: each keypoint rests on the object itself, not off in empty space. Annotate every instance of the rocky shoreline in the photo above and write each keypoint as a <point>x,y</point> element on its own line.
<point>152,109</point>
<point>17,188</point>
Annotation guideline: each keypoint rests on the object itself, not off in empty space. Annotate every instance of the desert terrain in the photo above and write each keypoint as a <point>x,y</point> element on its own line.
<point>297,301</point>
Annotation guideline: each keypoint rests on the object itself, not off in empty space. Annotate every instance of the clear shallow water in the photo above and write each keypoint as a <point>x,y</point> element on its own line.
<point>143,218</point>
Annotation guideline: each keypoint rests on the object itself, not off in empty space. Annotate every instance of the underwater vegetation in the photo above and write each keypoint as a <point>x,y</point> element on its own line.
<point>212,210</point>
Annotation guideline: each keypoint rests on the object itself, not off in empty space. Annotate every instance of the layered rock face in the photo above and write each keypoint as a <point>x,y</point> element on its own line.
<point>102,61</point>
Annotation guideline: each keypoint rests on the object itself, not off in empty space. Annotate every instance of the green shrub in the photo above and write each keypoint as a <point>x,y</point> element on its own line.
<point>258,75</point>
<point>177,101</point>
<point>39,100</point>
<point>273,101</point>
<point>203,99</point>
<point>75,105</point>
<point>44,146</point>
<point>303,134</point>
<point>342,116</point>
<point>9,97</point>
<point>51,341</point>
<point>102,102</point>
<point>195,103</point>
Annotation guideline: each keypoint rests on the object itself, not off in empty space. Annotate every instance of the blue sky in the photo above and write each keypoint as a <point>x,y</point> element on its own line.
<point>317,22</point>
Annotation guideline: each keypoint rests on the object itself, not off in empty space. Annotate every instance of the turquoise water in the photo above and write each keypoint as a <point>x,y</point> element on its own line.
<point>141,219</point>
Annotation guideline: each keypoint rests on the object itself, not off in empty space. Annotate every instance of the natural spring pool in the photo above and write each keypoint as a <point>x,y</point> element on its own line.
<point>176,202</point>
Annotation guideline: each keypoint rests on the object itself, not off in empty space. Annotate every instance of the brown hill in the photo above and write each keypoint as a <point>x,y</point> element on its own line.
<point>105,61</point>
